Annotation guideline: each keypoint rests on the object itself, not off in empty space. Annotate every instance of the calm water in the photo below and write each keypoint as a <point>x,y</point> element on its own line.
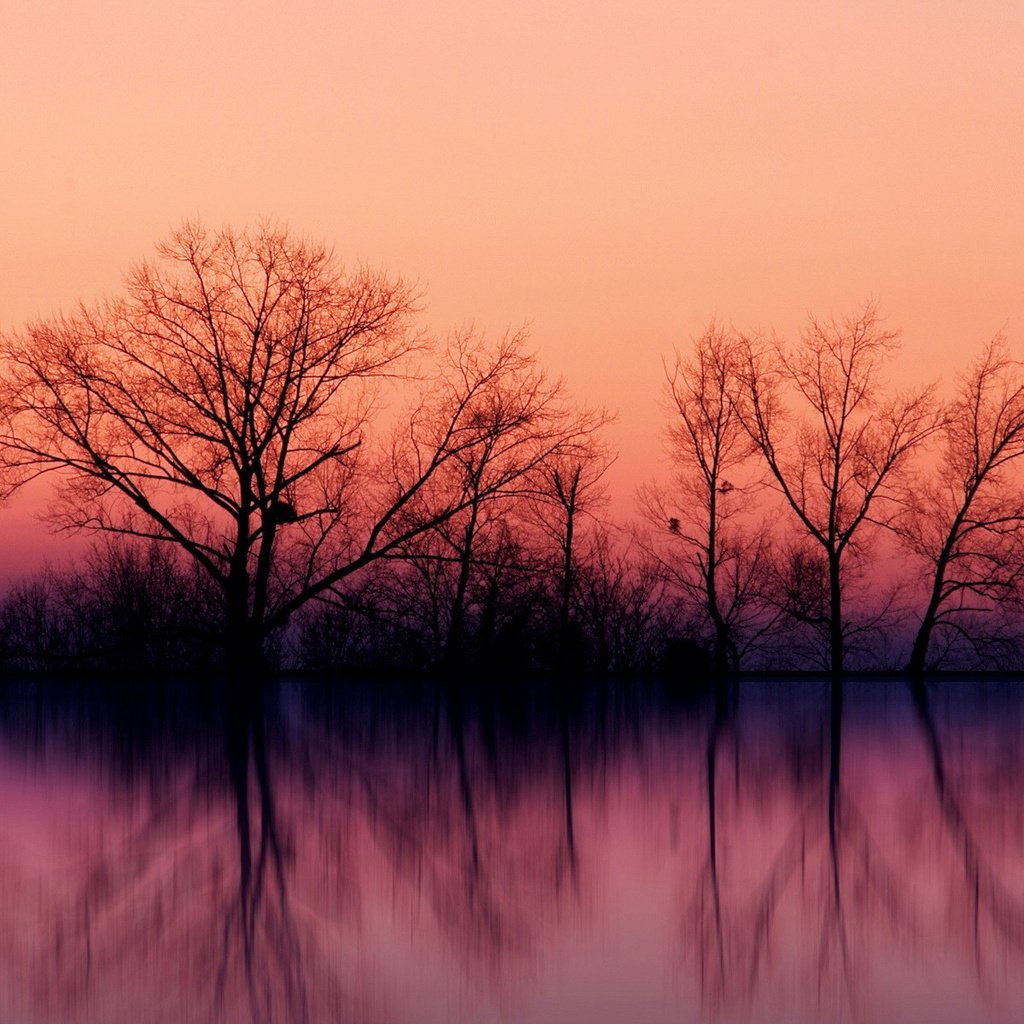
<point>361,857</point>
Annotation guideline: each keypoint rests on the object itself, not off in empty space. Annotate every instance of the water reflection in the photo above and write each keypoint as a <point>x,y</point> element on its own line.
<point>780,852</point>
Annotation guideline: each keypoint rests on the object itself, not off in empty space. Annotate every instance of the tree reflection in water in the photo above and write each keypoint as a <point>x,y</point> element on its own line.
<point>171,899</point>
<point>309,855</point>
<point>984,908</point>
<point>261,922</point>
<point>817,888</point>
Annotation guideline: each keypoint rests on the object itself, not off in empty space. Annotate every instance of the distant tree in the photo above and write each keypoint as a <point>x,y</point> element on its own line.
<point>798,588</point>
<point>967,518</point>
<point>370,625</point>
<point>838,464</point>
<point>141,605</point>
<point>35,629</point>
<point>524,424</point>
<point>705,538</point>
<point>222,406</point>
<point>126,606</point>
<point>621,605</point>
<point>568,491</point>
<point>507,600</point>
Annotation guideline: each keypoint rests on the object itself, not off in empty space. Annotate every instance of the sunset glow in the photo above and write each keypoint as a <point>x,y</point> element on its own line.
<point>512,512</point>
<point>611,175</point>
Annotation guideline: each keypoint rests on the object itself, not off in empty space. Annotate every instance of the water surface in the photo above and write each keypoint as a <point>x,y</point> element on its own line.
<point>397,855</point>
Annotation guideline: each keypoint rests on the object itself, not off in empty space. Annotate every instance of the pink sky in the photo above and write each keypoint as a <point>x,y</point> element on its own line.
<point>612,174</point>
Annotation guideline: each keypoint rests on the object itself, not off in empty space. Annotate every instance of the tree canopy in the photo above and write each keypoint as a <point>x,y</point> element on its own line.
<point>222,405</point>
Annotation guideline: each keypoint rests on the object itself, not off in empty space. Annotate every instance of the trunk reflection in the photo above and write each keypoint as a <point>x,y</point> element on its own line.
<point>301,855</point>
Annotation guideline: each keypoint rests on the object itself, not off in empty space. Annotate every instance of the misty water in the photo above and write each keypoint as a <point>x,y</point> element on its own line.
<point>395,854</point>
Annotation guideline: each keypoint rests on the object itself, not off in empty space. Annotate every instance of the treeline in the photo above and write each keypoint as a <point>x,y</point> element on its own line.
<point>130,607</point>
<point>219,426</point>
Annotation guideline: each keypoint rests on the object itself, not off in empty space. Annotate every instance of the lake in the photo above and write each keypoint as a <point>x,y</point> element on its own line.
<point>398,854</point>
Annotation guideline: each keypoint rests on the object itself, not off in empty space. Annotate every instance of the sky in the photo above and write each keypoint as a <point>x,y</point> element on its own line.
<point>612,175</point>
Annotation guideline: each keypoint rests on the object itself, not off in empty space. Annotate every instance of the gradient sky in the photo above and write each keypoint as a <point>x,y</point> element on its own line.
<point>613,174</point>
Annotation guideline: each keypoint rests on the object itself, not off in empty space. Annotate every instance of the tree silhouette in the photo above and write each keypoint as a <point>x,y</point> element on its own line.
<point>968,523</point>
<point>620,605</point>
<point>568,491</point>
<point>524,427</point>
<point>701,541</point>
<point>836,468</point>
<point>125,606</point>
<point>223,406</point>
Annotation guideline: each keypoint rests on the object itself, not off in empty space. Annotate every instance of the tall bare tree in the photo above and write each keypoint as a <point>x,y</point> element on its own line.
<point>967,521</point>
<point>223,406</point>
<point>705,540</point>
<point>838,461</point>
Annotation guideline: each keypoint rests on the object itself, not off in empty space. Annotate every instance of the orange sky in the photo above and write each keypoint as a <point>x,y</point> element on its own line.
<point>612,173</point>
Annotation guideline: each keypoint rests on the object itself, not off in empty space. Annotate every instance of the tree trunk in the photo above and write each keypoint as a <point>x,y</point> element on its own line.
<point>243,639</point>
<point>919,652</point>
<point>835,617</point>
<point>566,659</point>
<point>723,639</point>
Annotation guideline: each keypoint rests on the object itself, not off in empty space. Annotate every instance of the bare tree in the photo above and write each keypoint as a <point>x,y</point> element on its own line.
<point>223,406</point>
<point>570,489</point>
<point>519,423</point>
<point>702,513</point>
<point>968,519</point>
<point>620,602</point>
<point>837,466</point>
<point>123,607</point>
